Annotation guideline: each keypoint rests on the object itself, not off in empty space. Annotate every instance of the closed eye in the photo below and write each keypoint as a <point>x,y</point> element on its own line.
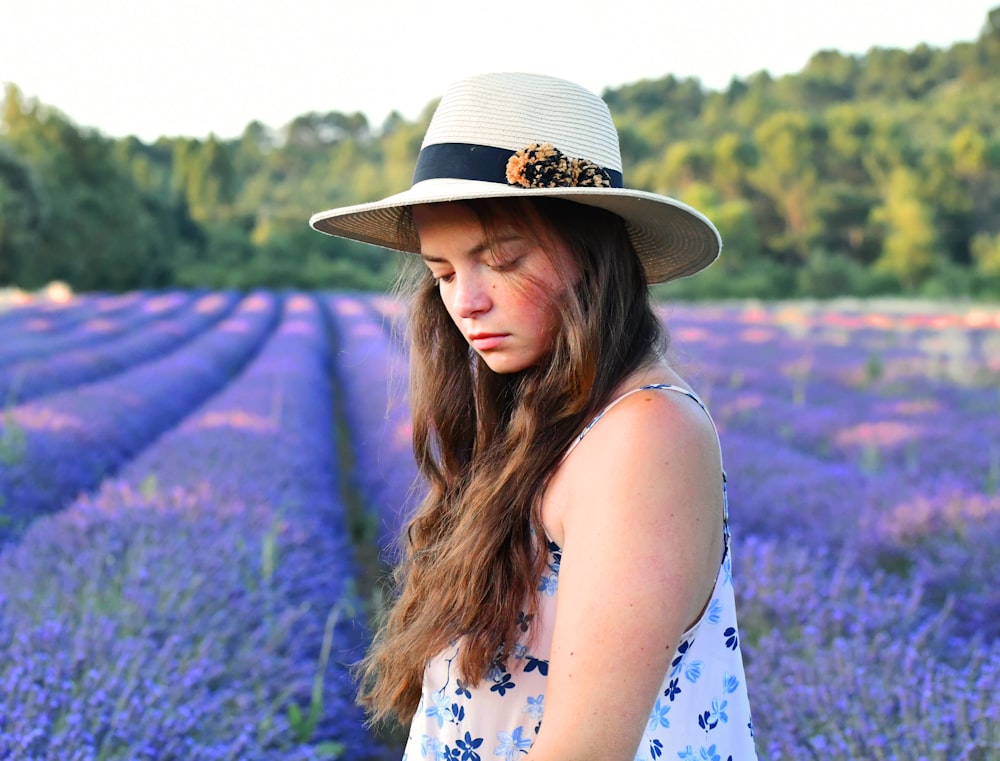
<point>505,265</point>
<point>508,253</point>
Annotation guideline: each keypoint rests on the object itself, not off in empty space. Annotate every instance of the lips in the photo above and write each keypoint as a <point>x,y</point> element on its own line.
<point>486,341</point>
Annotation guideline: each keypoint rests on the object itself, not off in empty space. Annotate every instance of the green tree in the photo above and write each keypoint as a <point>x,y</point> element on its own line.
<point>910,243</point>
<point>734,157</point>
<point>828,77</point>
<point>22,213</point>
<point>986,254</point>
<point>792,148</point>
<point>683,163</point>
<point>100,231</point>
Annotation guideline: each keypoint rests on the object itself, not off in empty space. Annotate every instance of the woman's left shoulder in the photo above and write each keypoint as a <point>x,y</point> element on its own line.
<point>646,483</point>
<point>660,418</point>
<point>651,440</point>
<point>654,452</point>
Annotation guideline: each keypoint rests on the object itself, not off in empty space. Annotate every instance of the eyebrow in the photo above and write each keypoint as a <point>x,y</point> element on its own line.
<point>476,250</point>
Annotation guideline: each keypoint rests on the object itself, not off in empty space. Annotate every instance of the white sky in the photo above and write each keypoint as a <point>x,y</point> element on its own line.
<point>191,67</point>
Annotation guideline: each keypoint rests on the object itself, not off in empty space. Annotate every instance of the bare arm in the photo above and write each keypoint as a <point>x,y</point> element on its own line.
<point>641,543</point>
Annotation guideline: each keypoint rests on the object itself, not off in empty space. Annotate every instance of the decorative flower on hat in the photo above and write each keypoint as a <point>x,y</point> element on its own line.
<point>542,165</point>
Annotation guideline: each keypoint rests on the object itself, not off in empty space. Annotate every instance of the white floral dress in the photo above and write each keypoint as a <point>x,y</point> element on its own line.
<point>702,712</point>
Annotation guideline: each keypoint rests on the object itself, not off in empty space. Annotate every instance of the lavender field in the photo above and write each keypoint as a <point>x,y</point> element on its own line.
<point>195,489</point>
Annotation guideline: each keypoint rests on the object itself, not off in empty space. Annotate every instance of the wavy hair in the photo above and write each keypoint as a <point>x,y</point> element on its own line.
<point>486,445</point>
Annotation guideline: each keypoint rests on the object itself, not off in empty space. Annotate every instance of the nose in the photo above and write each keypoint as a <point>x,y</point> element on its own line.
<point>470,296</point>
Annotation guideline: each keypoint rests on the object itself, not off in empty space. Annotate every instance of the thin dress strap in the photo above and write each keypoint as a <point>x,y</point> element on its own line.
<point>700,403</point>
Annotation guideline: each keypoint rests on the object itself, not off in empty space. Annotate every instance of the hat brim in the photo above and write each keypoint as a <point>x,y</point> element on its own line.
<point>672,239</point>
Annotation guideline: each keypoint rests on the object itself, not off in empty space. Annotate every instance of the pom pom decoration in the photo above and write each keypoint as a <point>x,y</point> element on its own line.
<point>541,165</point>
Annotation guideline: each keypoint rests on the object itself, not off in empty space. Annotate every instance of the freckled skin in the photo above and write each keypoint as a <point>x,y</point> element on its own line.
<point>507,294</point>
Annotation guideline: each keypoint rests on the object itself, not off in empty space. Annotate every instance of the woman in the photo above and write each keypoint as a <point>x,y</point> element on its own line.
<point>565,587</point>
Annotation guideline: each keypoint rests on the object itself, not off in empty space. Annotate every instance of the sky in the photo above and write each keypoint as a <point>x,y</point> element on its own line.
<point>193,67</point>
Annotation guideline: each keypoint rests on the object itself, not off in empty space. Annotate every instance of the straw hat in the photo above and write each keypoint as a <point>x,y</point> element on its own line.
<point>526,135</point>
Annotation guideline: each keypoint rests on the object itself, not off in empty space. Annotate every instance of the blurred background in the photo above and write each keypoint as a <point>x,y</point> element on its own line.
<point>850,149</point>
<point>205,451</point>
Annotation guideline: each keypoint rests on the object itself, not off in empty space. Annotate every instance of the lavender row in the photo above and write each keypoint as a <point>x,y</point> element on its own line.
<point>899,476</point>
<point>900,439</point>
<point>268,441</point>
<point>132,312</point>
<point>150,627</point>
<point>31,379</point>
<point>913,430</point>
<point>848,664</point>
<point>371,372</point>
<point>927,538</point>
<point>769,355</point>
<point>56,447</point>
<point>28,326</point>
<point>225,550</point>
<point>795,358</point>
<point>282,392</point>
<point>50,316</point>
<point>805,382</point>
<point>936,349</point>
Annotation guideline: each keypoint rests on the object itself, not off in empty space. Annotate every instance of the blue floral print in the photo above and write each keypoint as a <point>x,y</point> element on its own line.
<point>730,683</point>
<point>465,749</point>
<point>673,690</point>
<point>700,714</point>
<point>714,611</point>
<point>432,747</point>
<point>441,710</point>
<point>535,707</point>
<point>704,754</point>
<point>555,557</point>
<point>658,718</point>
<point>732,638</point>
<point>693,670</point>
<point>710,719</point>
<point>537,663</point>
<point>511,744</point>
<point>503,684</point>
<point>548,585</point>
<point>675,664</point>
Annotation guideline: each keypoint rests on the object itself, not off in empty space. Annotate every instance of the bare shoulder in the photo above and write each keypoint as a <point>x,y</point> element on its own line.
<point>651,460</point>
<point>641,500</point>
<point>665,408</point>
<point>651,425</point>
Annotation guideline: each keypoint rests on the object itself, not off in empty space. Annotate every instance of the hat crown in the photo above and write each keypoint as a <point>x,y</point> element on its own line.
<point>512,110</point>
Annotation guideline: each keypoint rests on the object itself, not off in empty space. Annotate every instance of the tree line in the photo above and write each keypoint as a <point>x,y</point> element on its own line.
<point>860,174</point>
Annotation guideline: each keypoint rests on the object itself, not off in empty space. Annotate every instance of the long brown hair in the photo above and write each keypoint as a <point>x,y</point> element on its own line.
<point>486,444</point>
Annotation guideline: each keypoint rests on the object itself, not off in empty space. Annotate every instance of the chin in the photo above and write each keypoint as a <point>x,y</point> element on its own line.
<point>505,365</point>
